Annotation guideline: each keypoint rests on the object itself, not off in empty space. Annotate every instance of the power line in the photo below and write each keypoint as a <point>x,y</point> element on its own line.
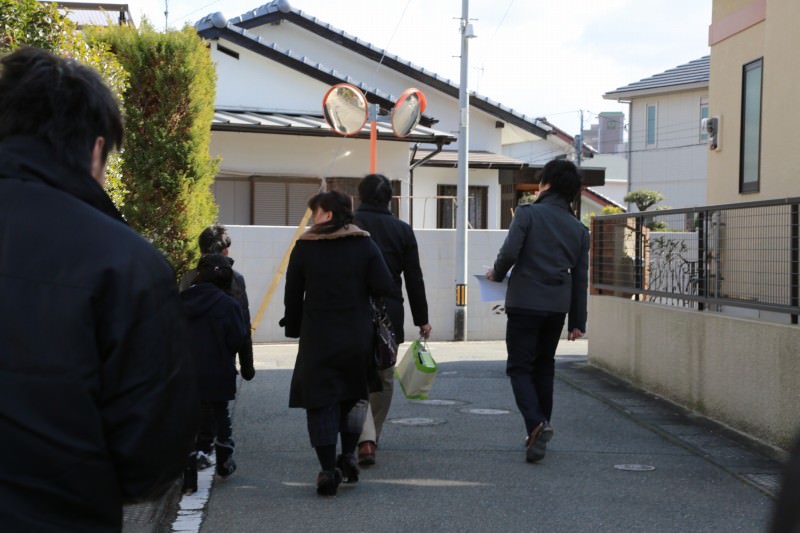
<point>397,27</point>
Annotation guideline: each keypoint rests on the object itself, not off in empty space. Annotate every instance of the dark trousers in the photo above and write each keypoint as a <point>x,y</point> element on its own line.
<point>531,342</point>
<point>326,424</point>
<point>215,430</point>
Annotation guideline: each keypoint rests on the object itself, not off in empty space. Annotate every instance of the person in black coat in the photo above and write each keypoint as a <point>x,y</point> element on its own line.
<point>218,332</point>
<point>97,391</point>
<point>333,270</point>
<point>398,245</point>
<point>215,240</point>
<point>549,249</point>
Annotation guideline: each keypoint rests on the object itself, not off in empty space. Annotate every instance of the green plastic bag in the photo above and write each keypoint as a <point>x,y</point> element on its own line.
<point>416,371</point>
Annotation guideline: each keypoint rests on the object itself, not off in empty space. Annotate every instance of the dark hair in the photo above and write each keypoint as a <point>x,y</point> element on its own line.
<point>338,203</point>
<point>375,189</point>
<point>214,239</point>
<point>60,102</point>
<point>216,269</point>
<point>564,178</point>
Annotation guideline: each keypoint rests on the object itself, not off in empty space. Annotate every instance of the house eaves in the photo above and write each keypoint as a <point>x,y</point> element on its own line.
<point>279,10</point>
<point>477,159</point>
<point>304,124</point>
<point>254,43</point>
<point>690,76</point>
<point>95,13</point>
<point>601,199</point>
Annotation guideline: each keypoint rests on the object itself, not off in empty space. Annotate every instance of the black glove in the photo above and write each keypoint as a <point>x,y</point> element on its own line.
<point>247,372</point>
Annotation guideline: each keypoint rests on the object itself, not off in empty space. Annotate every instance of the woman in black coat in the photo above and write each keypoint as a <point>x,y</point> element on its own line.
<point>333,270</point>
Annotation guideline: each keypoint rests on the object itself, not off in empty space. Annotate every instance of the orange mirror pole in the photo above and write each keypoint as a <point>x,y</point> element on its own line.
<point>373,138</point>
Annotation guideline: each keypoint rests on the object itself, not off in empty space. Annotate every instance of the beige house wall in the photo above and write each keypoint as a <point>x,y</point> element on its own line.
<point>743,373</point>
<point>772,36</point>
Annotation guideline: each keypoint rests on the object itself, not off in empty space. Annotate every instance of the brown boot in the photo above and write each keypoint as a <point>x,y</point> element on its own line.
<point>366,453</point>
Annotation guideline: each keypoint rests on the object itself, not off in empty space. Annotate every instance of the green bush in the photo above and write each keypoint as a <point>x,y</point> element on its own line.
<point>169,107</point>
<point>643,199</point>
<point>30,23</point>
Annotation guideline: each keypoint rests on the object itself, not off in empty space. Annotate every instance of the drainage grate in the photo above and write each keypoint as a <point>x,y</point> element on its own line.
<point>418,421</point>
<point>438,402</point>
<point>485,411</point>
<point>635,468</point>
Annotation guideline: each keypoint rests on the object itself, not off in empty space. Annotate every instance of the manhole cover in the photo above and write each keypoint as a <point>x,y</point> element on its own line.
<point>485,411</point>
<point>438,402</point>
<point>635,468</point>
<point>417,421</point>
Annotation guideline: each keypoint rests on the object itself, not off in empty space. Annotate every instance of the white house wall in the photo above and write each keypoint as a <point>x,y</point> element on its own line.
<point>426,180</point>
<point>536,152</point>
<point>260,250</point>
<point>255,82</point>
<point>483,133</point>
<point>293,155</point>
<point>676,165</point>
<point>616,184</point>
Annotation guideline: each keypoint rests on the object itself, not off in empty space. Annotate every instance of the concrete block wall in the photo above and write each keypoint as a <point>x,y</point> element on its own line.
<point>741,372</point>
<point>259,250</point>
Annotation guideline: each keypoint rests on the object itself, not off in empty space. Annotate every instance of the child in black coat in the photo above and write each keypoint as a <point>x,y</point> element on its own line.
<point>218,332</point>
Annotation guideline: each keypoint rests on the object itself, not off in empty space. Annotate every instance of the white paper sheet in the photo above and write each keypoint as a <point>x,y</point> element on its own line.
<point>491,291</point>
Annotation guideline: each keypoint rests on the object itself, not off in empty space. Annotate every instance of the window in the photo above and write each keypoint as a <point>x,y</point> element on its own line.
<point>651,125</point>
<point>446,207</point>
<point>266,201</point>
<point>703,114</point>
<point>750,151</point>
<point>281,201</point>
<point>276,200</point>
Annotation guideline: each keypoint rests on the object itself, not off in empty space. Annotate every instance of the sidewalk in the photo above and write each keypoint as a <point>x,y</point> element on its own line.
<point>620,461</point>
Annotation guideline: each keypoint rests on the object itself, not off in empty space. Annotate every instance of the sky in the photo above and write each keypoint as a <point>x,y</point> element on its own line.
<point>542,58</point>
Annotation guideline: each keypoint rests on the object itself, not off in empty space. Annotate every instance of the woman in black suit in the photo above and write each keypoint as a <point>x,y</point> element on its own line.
<point>333,270</point>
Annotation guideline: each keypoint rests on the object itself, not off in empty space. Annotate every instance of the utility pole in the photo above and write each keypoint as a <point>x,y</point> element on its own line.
<point>579,143</point>
<point>578,158</point>
<point>462,193</point>
<point>166,15</point>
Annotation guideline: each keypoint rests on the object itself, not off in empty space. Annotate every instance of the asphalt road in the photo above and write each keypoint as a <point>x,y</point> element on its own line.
<point>620,461</point>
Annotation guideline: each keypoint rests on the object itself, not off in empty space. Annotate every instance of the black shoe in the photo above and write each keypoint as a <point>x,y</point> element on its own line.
<point>227,468</point>
<point>537,442</point>
<point>348,465</point>
<point>328,482</point>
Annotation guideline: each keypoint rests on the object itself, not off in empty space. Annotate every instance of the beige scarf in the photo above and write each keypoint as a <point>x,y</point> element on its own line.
<point>349,230</point>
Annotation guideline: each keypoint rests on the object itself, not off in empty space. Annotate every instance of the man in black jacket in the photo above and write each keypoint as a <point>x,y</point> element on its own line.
<point>549,249</point>
<point>396,240</point>
<point>97,391</point>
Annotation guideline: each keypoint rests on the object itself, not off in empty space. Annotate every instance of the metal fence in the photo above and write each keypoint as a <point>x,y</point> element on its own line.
<point>705,258</point>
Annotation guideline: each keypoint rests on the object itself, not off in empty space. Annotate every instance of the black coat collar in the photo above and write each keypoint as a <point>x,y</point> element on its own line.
<point>373,209</point>
<point>29,159</point>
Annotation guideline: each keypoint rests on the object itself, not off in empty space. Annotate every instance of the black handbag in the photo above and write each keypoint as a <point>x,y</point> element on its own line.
<point>385,342</point>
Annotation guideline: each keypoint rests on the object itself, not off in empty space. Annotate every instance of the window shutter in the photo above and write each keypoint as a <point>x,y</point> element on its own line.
<point>269,204</point>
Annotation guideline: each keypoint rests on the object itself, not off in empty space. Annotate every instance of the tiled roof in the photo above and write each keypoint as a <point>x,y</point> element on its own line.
<point>286,56</point>
<point>693,72</point>
<point>262,121</point>
<point>281,9</point>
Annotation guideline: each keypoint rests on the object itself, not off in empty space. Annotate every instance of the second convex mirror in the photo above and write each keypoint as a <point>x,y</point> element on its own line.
<point>407,112</point>
<point>345,109</point>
